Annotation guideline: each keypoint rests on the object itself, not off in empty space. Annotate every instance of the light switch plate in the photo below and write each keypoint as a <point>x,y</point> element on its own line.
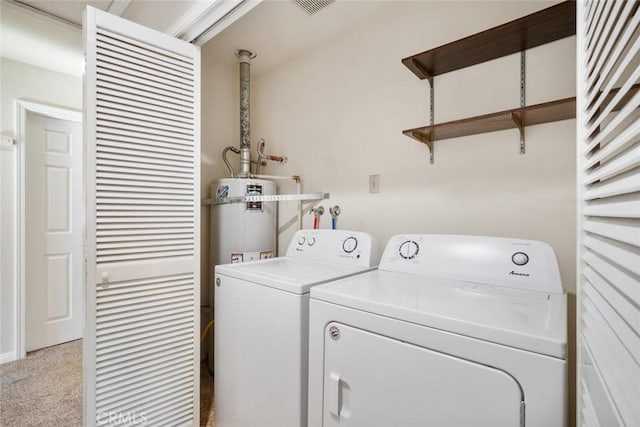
<point>374,183</point>
<point>6,142</point>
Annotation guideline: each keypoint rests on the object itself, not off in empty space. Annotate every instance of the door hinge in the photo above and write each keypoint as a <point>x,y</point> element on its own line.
<point>522,410</point>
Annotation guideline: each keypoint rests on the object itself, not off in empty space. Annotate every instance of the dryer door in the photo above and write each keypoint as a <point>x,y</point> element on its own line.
<point>374,381</point>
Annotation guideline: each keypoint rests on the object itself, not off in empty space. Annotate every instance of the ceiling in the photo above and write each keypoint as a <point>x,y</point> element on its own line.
<point>71,11</point>
<point>278,30</point>
<point>156,14</point>
<point>46,33</point>
<point>275,29</point>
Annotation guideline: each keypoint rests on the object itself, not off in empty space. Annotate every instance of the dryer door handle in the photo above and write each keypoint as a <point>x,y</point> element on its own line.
<point>333,389</point>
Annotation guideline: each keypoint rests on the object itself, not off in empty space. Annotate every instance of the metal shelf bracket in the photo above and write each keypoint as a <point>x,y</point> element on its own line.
<point>431,117</point>
<point>519,120</point>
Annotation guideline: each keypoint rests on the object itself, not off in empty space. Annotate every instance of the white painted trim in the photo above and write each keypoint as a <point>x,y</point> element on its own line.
<point>207,19</point>
<point>22,108</point>
<point>49,111</point>
<point>8,357</point>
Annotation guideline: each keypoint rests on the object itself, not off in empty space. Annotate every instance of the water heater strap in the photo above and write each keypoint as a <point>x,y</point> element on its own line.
<point>266,198</point>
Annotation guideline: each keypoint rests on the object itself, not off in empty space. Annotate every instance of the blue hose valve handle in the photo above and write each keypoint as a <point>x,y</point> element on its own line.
<point>334,211</point>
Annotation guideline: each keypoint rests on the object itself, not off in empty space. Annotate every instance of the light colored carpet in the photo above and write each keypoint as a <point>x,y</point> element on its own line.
<point>45,389</point>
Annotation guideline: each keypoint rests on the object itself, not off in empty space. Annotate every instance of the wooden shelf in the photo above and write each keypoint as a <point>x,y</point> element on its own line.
<point>547,25</point>
<point>547,112</point>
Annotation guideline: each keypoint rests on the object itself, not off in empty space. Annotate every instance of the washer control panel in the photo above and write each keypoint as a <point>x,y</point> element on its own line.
<point>340,246</point>
<point>514,263</point>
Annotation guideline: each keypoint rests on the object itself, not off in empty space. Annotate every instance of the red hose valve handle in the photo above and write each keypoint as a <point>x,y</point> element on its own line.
<point>317,213</point>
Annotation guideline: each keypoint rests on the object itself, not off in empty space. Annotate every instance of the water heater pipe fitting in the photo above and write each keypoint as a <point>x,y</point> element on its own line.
<point>226,161</point>
<point>244,56</point>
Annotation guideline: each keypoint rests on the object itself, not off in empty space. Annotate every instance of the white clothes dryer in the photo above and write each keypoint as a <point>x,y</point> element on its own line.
<point>262,325</point>
<point>449,331</point>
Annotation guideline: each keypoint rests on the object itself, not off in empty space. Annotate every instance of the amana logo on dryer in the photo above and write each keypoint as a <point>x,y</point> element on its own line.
<point>515,273</point>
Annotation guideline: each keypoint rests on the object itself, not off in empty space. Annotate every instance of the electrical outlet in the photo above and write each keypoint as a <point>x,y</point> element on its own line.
<point>374,183</point>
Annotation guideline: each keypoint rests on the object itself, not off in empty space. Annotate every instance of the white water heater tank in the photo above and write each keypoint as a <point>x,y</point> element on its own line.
<point>242,232</point>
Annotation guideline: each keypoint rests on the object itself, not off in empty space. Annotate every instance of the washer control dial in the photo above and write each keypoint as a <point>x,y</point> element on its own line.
<point>311,241</point>
<point>520,258</point>
<point>350,244</point>
<point>301,241</point>
<point>409,249</point>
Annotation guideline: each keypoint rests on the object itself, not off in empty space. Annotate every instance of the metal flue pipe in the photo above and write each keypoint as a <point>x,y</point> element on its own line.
<point>244,56</point>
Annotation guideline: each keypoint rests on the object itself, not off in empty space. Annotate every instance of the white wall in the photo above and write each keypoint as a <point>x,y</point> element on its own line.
<point>220,128</point>
<point>21,81</point>
<point>31,38</point>
<point>338,111</point>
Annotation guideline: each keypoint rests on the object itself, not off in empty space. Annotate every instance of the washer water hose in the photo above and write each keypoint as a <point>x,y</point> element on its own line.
<point>317,213</point>
<point>206,329</point>
<point>334,211</point>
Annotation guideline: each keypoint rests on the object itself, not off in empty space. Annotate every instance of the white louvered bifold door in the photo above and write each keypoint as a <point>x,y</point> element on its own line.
<point>141,346</point>
<point>608,213</point>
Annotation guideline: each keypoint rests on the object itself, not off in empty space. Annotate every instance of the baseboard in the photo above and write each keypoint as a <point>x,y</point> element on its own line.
<point>7,357</point>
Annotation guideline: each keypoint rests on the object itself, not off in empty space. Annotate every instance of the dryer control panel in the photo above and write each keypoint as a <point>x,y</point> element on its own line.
<point>338,246</point>
<point>511,263</point>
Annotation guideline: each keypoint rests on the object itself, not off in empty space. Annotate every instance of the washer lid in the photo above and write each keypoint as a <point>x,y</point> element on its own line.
<point>533,321</point>
<point>289,274</point>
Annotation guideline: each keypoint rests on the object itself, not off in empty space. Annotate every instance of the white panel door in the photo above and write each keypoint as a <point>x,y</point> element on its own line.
<point>142,347</point>
<point>374,381</point>
<point>53,232</point>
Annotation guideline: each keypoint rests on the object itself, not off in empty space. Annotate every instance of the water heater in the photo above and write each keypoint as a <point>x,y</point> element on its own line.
<point>242,231</point>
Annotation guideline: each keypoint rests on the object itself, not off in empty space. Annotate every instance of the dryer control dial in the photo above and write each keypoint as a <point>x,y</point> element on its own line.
<point>350,244</point>
<point>409,249</point>
<point>301,241</point>
<point>520,258</point>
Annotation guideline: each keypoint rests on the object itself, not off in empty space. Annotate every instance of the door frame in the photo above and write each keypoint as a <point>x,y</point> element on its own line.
<point>24,107</point>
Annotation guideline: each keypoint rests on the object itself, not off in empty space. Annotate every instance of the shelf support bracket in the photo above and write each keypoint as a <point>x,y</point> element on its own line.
<point>423,73</point>
<point>429,143</point>
<point>518,120</point>
<point>431,117</point>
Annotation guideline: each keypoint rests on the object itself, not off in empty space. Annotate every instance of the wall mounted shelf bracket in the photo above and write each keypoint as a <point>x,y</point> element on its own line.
<point>431,117</point>
<point>516,119</point>
<point>423,73</point>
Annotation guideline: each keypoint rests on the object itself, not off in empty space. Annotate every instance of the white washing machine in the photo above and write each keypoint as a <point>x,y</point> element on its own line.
<point>449,331</point>
<point>261,329</point>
